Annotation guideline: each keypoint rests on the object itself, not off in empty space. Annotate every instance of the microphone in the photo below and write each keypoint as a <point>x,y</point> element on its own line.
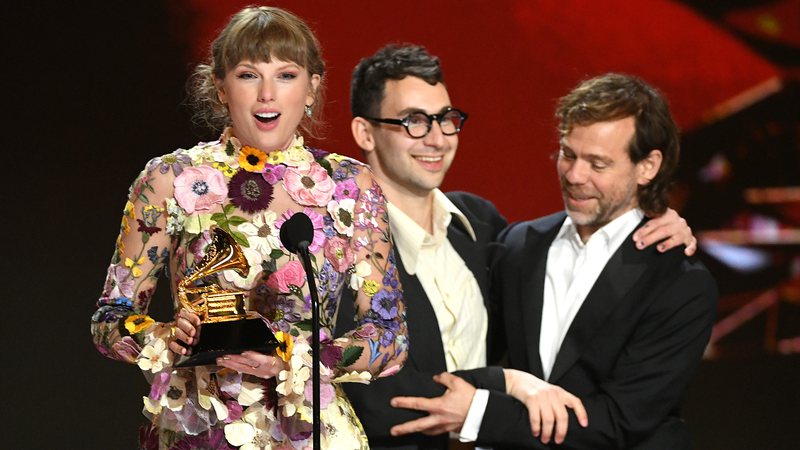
<point>297,233</point>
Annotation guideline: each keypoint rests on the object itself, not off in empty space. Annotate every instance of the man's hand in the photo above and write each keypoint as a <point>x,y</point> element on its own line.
<point>669,227</point>
<point>446,413</point>
<point>547,405</point>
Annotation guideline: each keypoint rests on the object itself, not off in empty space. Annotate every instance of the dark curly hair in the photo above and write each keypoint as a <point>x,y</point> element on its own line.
<point>392,62</point>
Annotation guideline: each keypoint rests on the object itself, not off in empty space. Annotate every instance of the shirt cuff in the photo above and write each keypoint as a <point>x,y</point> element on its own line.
<point>472,424</point>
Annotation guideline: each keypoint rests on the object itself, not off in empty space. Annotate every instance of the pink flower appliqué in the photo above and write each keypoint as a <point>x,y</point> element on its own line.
<point>160,385</point>
<point>366,331</point>
<point>273,174</point>
<point>338,252</point>
<point>199,188</point>
<point>309,187</point>
<point>346,189</point>
<point>118,282</point>
<point>127,349</point>
<point>291,273</point>
<point>326,393</point>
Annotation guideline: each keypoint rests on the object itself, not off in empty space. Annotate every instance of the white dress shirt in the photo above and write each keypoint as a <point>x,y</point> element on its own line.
<point>449,284</point>
<point>572,269</point>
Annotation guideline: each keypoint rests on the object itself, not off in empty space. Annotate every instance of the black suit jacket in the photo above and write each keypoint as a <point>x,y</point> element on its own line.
<point>426,353</point>
<point>628,355</point>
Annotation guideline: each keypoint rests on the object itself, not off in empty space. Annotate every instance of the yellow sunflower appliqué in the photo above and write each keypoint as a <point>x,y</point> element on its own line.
<point>252,159</point>
<point>137,323</point>
<point>285,344</point>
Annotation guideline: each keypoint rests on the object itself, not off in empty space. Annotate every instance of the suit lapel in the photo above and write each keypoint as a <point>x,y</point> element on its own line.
<point>619,275</point>
<point>532,274</point>
<point>426,351</point>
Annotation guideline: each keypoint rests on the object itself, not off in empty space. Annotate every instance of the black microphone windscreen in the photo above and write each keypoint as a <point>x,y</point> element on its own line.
<point>297,231</point>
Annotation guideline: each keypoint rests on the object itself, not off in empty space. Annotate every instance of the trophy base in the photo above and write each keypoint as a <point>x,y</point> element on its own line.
<point>230,337</point>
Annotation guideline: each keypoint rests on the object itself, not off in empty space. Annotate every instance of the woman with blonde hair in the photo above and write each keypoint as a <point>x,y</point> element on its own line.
<point>263,86</point>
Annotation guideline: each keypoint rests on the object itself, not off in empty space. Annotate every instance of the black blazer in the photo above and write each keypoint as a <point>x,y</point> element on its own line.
<point>628,355</point>
<point>426,353</point>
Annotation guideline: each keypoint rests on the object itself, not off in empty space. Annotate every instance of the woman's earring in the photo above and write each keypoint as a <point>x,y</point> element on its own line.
<point>308,110</point>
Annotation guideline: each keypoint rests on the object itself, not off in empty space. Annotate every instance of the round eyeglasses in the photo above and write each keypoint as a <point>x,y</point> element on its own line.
<point>418,124</point>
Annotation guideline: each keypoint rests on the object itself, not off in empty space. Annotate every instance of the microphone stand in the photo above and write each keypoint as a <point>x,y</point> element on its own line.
<point>296,235</point>
<point>302,250</point>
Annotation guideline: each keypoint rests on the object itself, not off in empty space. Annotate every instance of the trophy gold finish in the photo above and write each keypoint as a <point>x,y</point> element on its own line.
<point>226,325</point>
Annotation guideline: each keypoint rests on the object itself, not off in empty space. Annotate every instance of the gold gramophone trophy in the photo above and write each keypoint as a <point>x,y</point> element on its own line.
<point>227,327</point>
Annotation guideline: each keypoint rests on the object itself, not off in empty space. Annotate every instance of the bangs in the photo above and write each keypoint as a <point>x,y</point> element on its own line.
<point>262,37</point>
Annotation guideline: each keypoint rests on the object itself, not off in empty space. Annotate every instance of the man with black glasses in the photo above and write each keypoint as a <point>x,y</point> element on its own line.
<point>407,127</point>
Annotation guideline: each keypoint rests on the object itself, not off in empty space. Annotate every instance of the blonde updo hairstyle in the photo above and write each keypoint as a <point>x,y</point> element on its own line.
<point>257,33</point>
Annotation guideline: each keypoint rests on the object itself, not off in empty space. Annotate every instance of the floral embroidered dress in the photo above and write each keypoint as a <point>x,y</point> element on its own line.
<point>166,227</point>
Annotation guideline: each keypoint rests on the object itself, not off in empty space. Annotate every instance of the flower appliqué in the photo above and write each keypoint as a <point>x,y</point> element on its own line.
<point>249,191</point>
<point>311,186</point>
<point>252,159</point>
<point>200,188</point>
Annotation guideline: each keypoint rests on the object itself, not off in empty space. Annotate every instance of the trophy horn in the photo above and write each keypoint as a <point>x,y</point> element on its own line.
<point>223,253</point>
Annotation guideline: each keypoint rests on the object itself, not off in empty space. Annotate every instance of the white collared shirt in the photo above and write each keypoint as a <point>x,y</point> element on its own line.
<point>449,284</point>
<point>572,269</point>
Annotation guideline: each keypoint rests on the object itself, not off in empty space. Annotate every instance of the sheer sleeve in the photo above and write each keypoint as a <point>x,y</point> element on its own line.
<point>381,333</point>
<point>141,255</point>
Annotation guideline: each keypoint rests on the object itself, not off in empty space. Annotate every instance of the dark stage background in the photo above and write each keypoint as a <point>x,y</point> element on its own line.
<point>94,91</point>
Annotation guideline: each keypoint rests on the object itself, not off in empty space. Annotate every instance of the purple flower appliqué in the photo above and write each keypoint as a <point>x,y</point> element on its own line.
<point>345,170</point>
<point>387,338</point>
<point>330,354</point>
<point>385,304</point>
<point>213,438</point>
<point>283,314</point>
<point>318,153</point>
<point>160,385</point>
<point>389,278</point>
<point>249,191</point>
<point>175,161</point>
